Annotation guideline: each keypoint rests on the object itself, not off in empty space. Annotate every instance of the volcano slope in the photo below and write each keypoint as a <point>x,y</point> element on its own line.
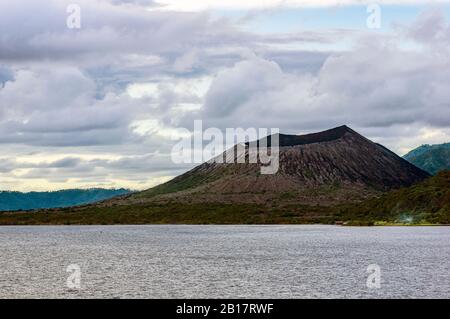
<point>326,168</point>
<point>317,173</point>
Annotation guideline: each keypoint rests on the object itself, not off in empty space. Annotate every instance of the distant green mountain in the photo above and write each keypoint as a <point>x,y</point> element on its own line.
<point>10,201</point>
<point>431,158</point>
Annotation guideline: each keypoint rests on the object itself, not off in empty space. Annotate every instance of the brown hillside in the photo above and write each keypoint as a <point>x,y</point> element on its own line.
<point>326,168</point>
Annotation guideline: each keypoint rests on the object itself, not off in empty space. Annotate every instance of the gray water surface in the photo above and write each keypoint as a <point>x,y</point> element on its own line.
<point>224,261</point>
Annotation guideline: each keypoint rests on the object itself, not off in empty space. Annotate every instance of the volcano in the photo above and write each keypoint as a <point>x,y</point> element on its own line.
<point>326,168</point>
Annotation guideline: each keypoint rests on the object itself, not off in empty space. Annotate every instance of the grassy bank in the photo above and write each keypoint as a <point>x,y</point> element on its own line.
<point>171,214</point>
<point>203,214</point>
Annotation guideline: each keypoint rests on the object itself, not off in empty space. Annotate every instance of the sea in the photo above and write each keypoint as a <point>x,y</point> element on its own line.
<point>235,261</point>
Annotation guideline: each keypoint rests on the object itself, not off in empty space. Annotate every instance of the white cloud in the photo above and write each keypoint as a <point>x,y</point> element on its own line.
<point>140,90</point>
<point>376,86</point>
<point>186,62</point>
<point>58,106</point>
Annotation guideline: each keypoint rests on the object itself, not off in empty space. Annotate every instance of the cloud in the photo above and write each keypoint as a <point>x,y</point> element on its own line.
<point>186,62</point>
<point>242,84</point>
<point>58,106</point>
<point>106,30</point>
<point>145,3</point>
<point>377,85</point>
<point>431,28</point>
<point>130,41</point>
<point>128,171</point>
<point>44,88</point>
<point>199,5</point>
<point>5,75</point>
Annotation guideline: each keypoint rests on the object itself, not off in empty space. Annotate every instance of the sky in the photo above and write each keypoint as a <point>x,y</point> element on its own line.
<point>99,101</point>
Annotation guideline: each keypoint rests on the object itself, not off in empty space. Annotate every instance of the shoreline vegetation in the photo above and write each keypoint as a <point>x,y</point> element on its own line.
<point>66,222</point>
<point>386,224</point>
<point>199,214</point>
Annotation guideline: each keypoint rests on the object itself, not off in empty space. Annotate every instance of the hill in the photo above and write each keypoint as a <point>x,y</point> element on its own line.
<point>330,167</point>
<point>10,201</point>
<point>426,202</point>
<point>431,158</point>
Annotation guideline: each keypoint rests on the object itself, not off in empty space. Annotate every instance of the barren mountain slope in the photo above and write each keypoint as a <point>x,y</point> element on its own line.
<point>325,168</point>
